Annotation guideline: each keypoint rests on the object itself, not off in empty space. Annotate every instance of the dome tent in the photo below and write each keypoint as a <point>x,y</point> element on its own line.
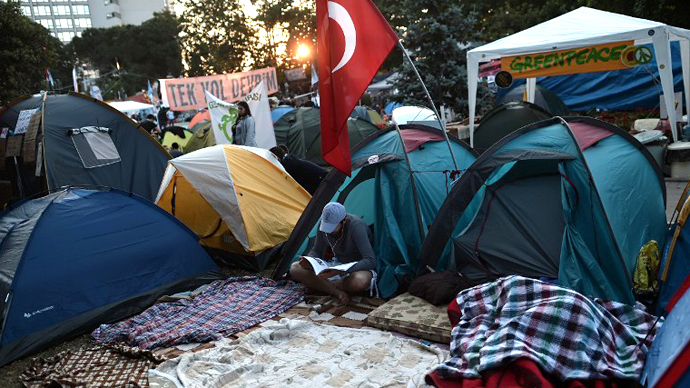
<point>554,199</point>
<point>300,131</point>
<point>238,200</point>
<point>504,119</point>
<point>84,142</point>
<point>77,258</point>
<point>399,179</point>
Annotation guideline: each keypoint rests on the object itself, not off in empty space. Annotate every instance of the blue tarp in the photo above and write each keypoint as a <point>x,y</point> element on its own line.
<point>611,90</point>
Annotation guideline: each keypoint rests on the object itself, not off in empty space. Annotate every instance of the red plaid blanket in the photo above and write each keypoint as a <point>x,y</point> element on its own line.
<point>568,335</point>
<point>222,309</point>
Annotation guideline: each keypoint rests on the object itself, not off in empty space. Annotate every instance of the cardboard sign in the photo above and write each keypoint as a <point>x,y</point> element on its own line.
<point>14,146</point>
<point>188,93</point>
<point>23,120</point>
<point>610,56</point>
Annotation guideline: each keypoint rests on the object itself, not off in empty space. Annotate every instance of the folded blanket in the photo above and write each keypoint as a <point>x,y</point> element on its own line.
<point>222,309</point>
<point>566,334</point>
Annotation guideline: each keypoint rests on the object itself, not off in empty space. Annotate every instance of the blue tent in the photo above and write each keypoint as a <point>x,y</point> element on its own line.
<point>280,111</point>
<point>637,87</point>
<point>571,200</point>
<point>398,182</point>
<point>668,359</point>
<point>77,258</point>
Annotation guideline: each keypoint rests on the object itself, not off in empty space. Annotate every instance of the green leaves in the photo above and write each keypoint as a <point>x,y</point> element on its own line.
<point>27,50</point>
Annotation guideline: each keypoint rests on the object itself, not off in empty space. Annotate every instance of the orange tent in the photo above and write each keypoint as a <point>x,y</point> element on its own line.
<point>199,117</point>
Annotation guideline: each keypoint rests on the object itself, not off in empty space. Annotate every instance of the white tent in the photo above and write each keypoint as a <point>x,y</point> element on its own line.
<point>585,27</point>
<point>129,106</point>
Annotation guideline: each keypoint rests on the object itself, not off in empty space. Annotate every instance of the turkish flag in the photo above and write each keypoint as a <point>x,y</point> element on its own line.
<point>353,40</point>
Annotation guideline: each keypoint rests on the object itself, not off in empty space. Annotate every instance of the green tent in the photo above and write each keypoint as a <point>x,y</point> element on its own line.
<point>398,182</point>
<point>202,138</point>
<point>300,131</point>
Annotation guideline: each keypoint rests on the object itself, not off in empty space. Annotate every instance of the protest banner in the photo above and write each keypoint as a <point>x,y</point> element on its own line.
<point>223,116</point>
<point>261,111</point>
<point>188,93</point>
<point>610,56</point>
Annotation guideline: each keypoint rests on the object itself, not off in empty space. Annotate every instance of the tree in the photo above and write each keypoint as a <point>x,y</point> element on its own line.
<point>145,52</point>
<point>27,50</point>
<point>283,25</point>
<point>216,37</point>
<point>436,38</point>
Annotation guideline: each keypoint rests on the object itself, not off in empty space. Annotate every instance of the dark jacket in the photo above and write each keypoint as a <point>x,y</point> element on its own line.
<point>308,174</point>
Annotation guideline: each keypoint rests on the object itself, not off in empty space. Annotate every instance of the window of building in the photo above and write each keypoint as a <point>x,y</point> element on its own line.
<point>41,10</point>
<point>82,23</point>
<point>47,23</point>
<point>111,15</point>
<point>61,10</point>
<point>80,9</point>
<point>65,36</point>
<point>26,10</point>
<point>63,23</point>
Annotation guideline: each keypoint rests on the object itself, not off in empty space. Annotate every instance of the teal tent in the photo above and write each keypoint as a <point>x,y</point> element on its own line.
<point>571,199</point>
<point>300,131</point>
<point>398,182</point>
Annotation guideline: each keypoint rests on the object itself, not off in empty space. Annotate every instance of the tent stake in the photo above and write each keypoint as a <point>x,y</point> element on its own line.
<point>431,102</point>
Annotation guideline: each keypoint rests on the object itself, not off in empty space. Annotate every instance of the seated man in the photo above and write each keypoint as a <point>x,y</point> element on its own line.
<point>344,238</point>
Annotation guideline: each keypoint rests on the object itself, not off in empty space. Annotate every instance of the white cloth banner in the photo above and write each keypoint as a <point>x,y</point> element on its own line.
<point>223,117</point>
<point>257,100</point>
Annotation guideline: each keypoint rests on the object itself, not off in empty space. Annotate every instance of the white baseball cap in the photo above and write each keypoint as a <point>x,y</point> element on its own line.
<point>333,213</point>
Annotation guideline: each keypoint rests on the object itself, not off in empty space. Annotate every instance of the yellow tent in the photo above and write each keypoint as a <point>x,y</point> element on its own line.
<point>169,138</point>
<point>237,199</point>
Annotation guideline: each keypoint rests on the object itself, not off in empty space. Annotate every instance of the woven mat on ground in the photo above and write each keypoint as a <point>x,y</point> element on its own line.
<point>295,353</point>
<point>97,367</point>
<point>323,309</point>
<point>224,308</point>
<point>568,335</point>
<point>413,316</point>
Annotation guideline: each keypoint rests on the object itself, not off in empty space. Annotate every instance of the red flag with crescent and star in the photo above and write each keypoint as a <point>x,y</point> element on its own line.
<point>353,39</point>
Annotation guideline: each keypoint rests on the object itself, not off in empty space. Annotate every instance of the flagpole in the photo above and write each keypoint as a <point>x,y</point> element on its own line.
<point>431,102</point>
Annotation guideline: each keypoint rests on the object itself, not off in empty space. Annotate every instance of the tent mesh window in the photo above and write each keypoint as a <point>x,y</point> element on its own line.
<point>94,146</point>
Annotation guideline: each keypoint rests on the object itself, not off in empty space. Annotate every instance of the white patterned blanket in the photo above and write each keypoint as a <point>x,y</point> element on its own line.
<point>303,354</point>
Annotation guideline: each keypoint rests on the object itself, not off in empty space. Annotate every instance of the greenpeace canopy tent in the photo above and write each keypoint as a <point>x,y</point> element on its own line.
<point>580,28</point>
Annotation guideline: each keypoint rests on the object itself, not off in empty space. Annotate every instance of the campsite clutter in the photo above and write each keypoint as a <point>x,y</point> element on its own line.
<point>537,253</point>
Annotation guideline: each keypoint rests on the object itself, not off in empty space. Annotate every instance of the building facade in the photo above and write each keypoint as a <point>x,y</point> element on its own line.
<point>66,19</point>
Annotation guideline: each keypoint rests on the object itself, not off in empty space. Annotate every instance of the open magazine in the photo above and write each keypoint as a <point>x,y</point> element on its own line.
<point>320,266</point>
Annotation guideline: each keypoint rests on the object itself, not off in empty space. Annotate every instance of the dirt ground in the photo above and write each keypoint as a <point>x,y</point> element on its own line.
<point>9,374</point>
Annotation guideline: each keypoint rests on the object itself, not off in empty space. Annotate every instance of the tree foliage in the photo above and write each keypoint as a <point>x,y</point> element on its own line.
<point>27,50</point>
<point>148,51</point>
<point>436,35</point>
<point>217,37</point>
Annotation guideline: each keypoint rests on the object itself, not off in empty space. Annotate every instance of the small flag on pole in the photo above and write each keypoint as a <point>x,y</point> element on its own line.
<point>74,80</point>
<point>49,79</point>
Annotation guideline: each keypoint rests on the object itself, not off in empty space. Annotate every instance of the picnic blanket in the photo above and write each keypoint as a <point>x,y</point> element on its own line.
<point>224,308</point>
<point>301,354</point>
<point>566,334</point>
<point>115,366</point>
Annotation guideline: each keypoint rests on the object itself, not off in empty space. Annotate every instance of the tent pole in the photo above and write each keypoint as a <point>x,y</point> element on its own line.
<point>431,102</point>
<point>420,224</point>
